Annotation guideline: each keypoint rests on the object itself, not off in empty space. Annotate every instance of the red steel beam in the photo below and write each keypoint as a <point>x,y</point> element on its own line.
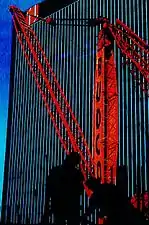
<point>28,33</point>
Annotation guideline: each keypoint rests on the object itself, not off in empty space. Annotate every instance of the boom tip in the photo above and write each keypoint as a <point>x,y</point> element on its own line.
<point>11,8</point>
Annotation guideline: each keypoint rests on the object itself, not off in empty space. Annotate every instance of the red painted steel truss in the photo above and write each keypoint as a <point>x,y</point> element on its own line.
<point>105,111</point>
<point>105,98</point>
<point>135,50</point>
<point>141,202</point>
<point>64,121</point>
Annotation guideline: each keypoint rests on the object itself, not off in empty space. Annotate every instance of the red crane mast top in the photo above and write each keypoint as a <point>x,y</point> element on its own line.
<point>65,123</point>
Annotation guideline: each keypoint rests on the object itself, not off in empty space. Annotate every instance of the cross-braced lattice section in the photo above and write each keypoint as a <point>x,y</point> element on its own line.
<point>112,119</point>
<point>105,114</point>
<point>64,121</point>
<point>135,50</point>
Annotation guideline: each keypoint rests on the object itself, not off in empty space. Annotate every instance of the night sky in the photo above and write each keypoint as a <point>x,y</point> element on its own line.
<point>5,56</point>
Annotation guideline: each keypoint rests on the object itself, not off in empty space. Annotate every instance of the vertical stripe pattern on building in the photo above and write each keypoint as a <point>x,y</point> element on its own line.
<point>33,147</point>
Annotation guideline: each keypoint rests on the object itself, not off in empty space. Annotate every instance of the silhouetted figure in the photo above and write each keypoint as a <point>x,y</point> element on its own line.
<point>113,203</point>
<point>103,199</point>
<point>64,186</point>
<point>122,179</point>
<point>122,183</point>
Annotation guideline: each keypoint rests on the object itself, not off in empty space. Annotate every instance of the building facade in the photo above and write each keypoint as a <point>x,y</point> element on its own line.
<point>32,144</point>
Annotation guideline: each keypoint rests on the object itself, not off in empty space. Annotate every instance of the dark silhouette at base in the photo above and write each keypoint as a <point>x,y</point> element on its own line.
<point>112,201</point>
<point>64,186</point>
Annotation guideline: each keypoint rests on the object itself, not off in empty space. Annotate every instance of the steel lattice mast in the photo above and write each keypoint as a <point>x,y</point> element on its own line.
<point>105,113</point>
<point>105,100</point>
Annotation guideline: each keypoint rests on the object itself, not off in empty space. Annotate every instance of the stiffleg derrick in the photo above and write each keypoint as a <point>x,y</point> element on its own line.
<point>59,110</point>
<point>105,110</point>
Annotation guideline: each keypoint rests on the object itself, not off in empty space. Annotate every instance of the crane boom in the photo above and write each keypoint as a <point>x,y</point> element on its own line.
<point>66,125</point>
<point>134,49</point>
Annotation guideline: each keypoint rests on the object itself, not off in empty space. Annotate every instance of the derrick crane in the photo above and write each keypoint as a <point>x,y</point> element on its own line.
<point>105,98</point>
<point>105,102</point>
